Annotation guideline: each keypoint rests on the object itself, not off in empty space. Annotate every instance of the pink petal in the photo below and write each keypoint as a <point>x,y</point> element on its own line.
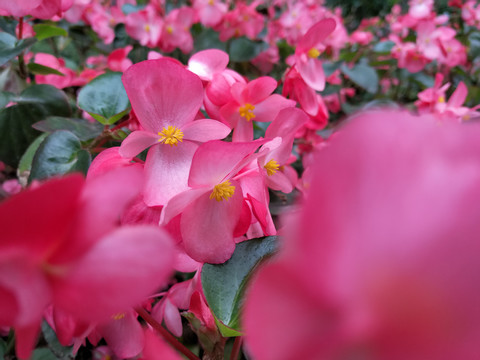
<point>206,63</point>
<point>459,95</point>
<point>166,171</point>
<point>108,160</point>
<point>287,123</point>
<point>124,336</point>
<point>25,340</point>
<point>230,113</point>
<point>279,181</point>
<point>172,318</point>
<point>208,225</point>
<point>136,142</point>
<point>268,109</point>
<point>163,93</point>
<point>316,34</point>
<point>243,131</point>
<point>103,200</point>
<point>205,130</point>
<point>133,263</point>
<point>260,88</point>
<point>312,73</point>
<point>37,220</point>
<point>306,96</point>
<point>179,202</point>
<point>215,159</point>
<point>157,349</point>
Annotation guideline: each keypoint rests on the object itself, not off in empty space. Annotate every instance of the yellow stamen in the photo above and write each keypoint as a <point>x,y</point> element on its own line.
<point>222,191</point>
<point>211,2</point>
<point>272,167</point>
<point>170,136</point>
<point>246,111</point>
<point>118,316</point>
<point>147,28</point>
<point>313,53</point>
<point>441,99</point>
<point>169,29</point>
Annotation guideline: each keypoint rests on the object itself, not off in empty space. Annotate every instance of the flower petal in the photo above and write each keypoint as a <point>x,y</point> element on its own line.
<point>163,93</point>
<point>204,130</point>
<point>136,142</point>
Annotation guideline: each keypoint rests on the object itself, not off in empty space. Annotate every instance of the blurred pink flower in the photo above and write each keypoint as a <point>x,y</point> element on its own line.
<point>383,260</point>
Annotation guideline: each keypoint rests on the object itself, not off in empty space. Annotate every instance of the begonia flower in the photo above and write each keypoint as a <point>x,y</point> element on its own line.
<point>166,98</point>
<point>388,237</point>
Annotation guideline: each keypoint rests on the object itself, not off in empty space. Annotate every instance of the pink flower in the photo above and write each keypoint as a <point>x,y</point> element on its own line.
<point>392,265</point>
<point>145,26</point>
<point>211,209</point>
<point>210,12</point>
<point>118,61</point>
<point>53,248</point>
<point>58,81</point>
<point>252,101</point>
<point>176,30</point>
<point>41,9</point>
<point>310,46</point>
<point>166,98</point>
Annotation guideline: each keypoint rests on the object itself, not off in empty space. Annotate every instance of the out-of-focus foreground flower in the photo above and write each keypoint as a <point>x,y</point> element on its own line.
<point>384,260</point>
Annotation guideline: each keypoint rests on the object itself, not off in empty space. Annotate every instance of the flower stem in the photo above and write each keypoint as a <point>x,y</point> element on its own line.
<point>237,345</point>
<point>166,335</point>
<point>21,60</point>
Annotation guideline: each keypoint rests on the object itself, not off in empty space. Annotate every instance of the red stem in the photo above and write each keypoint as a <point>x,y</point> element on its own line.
<point>20,28</point>
<point>236,348</point>
<point>166,335</point>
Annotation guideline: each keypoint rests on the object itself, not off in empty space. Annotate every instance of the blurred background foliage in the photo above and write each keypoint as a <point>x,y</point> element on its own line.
<point>356,10</point>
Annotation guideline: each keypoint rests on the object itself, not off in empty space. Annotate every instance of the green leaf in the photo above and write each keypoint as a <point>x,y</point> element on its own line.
<point>36,103</point>
<point>362,75</point>
<point>60,351</point>
<point>60,153</point>
<point>208,39</point>
<point>244,49</point>
<point>3,348</point>
<point>384,47</point>
<point>9,47</point>
<point>25,164</point>
<point>45,31</point>
<point>43,354</point>
<point>104,97</point>
<point>42,70</point>
<point>474,41</point>
<point>224,284</point>
<point>82,128</point>
<point>5,98</point>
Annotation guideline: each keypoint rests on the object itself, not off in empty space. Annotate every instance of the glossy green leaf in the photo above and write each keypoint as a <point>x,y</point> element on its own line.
<point>82,128</point>
<point>42,70</point>
<point>36,103</point>
<point>60,153</point>
<point>45,31</point>
<point>25,164</point>
<point>5,98</point>
<point>384,47</point>
<point>3,348</point>
<point>244,49</point>
<point>104,97</point>
<point>60,351</point>
<point>9,47</point>
<point>224,284</point>
<point>43,354</point>
<point>362,75</point>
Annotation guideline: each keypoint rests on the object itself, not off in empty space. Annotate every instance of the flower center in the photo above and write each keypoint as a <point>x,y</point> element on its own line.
<point>118,316</point>
<point>313,53</point>
<point>222,191</point>
<point>147,28</point>
<point>246,111</point>
<point>171,136</point>
<point>441,99</point>
<point>272,167</point>
<point>169,29</point>
<point>211,2</point>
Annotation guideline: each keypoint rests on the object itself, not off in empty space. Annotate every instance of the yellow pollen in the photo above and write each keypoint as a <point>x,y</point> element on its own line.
<point>313,53</point>
<point>147,28</point>
<point>211,2</point>
<point>118,316</point>
<point>246,111</point>
<point>246,17</point>
<point>466,117</point>
<point>272,167</point>
<point>107,357</point>
<point>170,136</point>
<point>222,191</point>
<point>169,29</point>
<point>441,99</point>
